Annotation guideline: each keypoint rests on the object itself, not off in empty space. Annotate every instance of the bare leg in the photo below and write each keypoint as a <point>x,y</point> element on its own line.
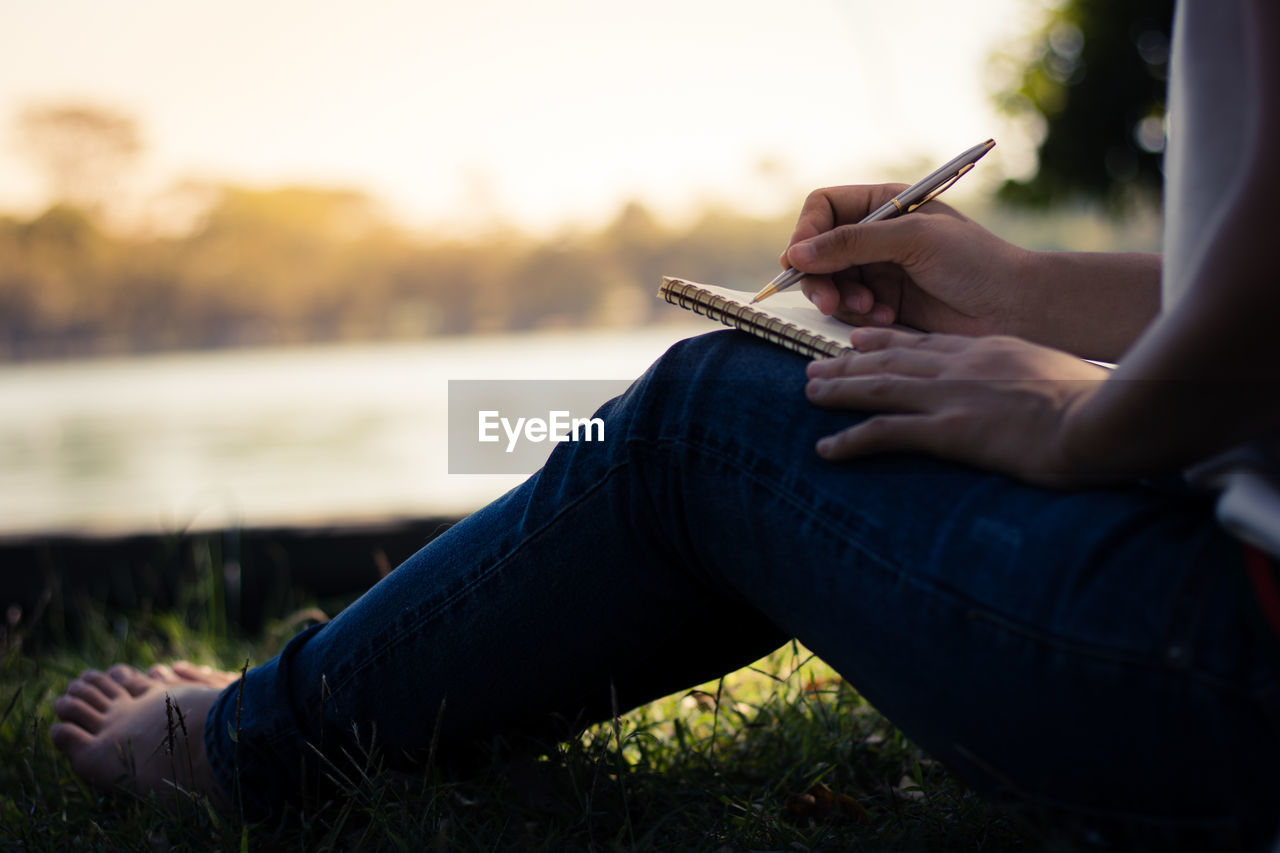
<point>131,729</point>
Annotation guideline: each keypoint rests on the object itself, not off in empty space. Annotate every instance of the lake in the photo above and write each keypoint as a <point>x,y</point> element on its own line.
<point>314,435</point>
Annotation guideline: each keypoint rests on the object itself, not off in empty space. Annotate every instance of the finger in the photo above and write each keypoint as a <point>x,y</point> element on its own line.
<point>885,283</point>
<point>878,393</point>
<point>887,433</point>
<point>879,315</point>
<point>899,241</point>
<point>855,298</point>
<point>822,292</point>
<point>818,214</point>
<point>829,368</point>
<point>870,339</point>
<point>831,294</point>
<point>894,361</point>
<point>826,208</point>
<point>898,361</point>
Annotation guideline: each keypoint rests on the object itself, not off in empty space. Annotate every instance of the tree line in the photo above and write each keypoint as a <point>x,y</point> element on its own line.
<point>300,265</point>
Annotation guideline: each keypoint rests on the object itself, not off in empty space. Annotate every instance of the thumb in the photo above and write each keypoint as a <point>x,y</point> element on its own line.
<point>853,245</point>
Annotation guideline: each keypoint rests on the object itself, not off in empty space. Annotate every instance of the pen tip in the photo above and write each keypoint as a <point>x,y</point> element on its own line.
<point>989,144</point>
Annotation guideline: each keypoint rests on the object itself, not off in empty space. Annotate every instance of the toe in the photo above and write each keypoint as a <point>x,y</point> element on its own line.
<point>103,682</point>
<point>203,674</point>
<point>130,679</point>
<point>188,671</point>
<point>89,694</point>
<point>164,673</point>
<point>69,738</point>
<point>73,710</point>
<point>224,679</point>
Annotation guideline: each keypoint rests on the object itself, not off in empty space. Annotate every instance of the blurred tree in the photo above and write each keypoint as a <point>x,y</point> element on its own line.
<point>1096,78</point>
<point>50,277</point>
<point>301,264</point>
<point>82,150</point>
<point>276,261</point>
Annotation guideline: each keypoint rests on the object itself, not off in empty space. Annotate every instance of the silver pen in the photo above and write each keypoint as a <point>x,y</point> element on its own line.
<point>906,201</point>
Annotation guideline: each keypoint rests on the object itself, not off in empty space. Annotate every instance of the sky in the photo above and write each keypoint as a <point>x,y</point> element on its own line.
<point>476,113</point>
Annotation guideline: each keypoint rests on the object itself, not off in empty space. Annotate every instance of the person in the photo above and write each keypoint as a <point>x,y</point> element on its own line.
<point>994,541</point>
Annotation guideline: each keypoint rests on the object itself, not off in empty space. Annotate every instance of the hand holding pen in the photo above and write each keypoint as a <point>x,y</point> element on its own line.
<point>904,202</point>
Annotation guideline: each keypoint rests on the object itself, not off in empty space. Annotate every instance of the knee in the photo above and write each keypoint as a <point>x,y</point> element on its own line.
<point>695,350</point>
<point>727,354</point>
<point>702,378</point>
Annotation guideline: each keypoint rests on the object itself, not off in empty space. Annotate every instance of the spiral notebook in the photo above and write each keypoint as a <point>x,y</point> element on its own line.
<point>787,319</point>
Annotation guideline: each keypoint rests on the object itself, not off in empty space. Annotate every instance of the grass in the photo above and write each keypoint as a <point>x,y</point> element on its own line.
<point>782,755</point>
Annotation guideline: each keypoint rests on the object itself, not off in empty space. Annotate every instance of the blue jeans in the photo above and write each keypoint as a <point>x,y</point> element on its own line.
<point>1082,650</point>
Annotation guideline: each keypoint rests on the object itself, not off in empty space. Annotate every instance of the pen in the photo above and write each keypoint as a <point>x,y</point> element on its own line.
<point>906,201</point>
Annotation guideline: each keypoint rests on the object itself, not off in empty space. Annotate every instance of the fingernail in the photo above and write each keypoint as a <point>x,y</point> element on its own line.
<point>814,386</point>
<point>823,446</point>
<point>802,253</point>
<point>881,315</point>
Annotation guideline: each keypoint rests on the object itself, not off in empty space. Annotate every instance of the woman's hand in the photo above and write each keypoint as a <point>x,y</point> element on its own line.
<point>998,403</point>
<point>934,269</point>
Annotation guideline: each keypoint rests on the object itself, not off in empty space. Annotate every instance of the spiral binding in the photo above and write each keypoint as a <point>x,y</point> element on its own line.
<point>738,316</point>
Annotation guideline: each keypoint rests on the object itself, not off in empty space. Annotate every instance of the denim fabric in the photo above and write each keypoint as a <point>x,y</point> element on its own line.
<point>1082,650</point>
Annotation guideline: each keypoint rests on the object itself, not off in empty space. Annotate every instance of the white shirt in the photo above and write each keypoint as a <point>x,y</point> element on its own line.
<point>1212,103</point>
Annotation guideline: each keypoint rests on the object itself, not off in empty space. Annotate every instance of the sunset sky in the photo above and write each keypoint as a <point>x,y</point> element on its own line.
<point>539,114</point>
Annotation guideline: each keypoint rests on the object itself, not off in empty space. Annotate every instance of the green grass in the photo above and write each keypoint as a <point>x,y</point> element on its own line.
<point>725,766</point>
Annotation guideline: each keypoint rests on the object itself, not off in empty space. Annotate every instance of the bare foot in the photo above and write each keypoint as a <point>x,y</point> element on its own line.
<point>130,728</point>
<point>183,672</point>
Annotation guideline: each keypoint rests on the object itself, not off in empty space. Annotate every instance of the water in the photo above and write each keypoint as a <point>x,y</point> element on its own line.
<point>262,437</point>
